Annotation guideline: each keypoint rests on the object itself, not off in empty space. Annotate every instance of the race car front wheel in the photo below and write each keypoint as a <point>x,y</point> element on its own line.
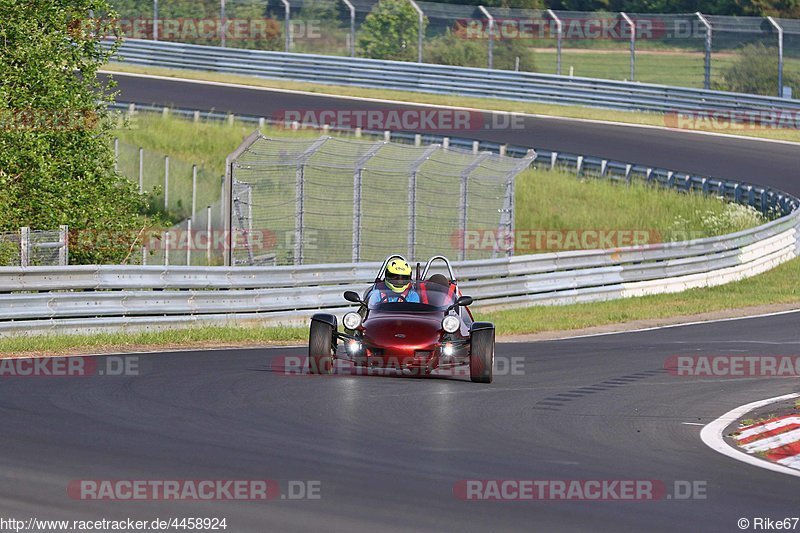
<point>481,357</point>
<point>320,349</point>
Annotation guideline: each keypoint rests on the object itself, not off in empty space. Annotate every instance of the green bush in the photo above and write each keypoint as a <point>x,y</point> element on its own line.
<point>56,160</point>
<point>390,31</point>
<point>454,48</point>
<point>754,71</point>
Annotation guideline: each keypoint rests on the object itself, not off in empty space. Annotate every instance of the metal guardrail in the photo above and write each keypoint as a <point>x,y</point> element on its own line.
<point>442,79</point>
<point>89,298</point>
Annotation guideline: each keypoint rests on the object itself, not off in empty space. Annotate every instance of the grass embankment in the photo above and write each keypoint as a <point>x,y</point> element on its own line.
<point>564,111</point>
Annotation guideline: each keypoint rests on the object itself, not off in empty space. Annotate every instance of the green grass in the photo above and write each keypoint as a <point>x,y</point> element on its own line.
<point>583,205</point>
<point>651,119</point>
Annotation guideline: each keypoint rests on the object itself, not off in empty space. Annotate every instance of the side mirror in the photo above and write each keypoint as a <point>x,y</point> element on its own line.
<point>461,302</point>
<point>465,301</point>
<point>352,296</point>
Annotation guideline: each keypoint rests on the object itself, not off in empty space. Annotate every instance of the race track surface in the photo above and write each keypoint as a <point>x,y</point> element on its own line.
<point>388,451</point>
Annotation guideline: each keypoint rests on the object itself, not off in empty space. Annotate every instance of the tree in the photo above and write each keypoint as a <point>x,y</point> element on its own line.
<point>390,31</point>
<point>56,160</point>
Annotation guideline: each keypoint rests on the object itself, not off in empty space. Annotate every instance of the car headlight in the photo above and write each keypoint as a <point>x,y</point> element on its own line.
<point>352,320</point>
<point>451,324</point>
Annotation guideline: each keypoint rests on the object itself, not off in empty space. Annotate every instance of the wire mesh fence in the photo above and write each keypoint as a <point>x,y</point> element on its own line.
<point>28,247</point>
<point>685,49</point>
<point>333,200</point>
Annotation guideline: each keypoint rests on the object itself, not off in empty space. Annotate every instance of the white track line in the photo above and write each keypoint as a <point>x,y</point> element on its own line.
<point>439,106</point>
<point>668,326</point>
<point>712,436</point>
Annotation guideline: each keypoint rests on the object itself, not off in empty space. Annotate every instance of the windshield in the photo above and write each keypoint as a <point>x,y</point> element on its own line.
<point>421,296</point>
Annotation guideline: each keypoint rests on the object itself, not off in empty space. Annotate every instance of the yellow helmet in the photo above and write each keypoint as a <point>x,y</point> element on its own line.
<point>398,275</point>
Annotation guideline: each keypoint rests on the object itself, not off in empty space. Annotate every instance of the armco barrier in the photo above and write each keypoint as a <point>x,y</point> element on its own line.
<point>442,79</point>
<point>96,298</point>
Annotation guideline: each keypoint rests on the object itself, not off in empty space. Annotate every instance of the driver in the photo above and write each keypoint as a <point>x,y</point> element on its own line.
<point>397,282</point>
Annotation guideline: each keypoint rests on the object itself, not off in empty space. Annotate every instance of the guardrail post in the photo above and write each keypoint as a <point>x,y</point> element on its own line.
<point>352,9</point>
<point>155,20</point>
<point>709,33</point>
<point>116,154</point>
<point>24,246</point>
<point>559,37</point>
<point>633,44</point>
<point>780,54</point>
<point>287,25</point>
<point>63,245</point>
<point>420,30</point>
<point>491,34</point>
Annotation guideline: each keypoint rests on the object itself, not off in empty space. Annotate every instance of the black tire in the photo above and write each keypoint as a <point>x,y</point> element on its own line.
<point>320,349</point>
<point>481,357</point>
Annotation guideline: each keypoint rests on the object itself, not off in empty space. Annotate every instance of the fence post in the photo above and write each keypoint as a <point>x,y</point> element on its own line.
<point>352,9</point>
<point>189,243</point>
<point>559,36</point>
<point>194,191</point>
<point>155,20</point>
<point>166,182</point>
<point>707,78</point>
<point>412,199</point>
<point>357,198</point>
<point>299,210</point>
<point>222,36</point>
<point>63,248</point>
<point>420,29</point>
<point>24,246</point>
<point>491,34</point>
<point>141,170</point>
<point>208,235</point>
<point>780,54</point>
<point>463,204</point>
<point>287,25</point>
<point>633,44</point>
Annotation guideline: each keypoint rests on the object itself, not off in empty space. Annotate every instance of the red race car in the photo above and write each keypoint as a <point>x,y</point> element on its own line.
<point>412,325</point>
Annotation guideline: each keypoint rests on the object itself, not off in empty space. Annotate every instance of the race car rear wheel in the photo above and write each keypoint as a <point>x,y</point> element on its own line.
<point>481,357</point>
<point>320,349</point>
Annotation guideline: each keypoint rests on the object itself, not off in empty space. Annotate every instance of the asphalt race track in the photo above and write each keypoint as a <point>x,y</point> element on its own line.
<point>764,163</point>
<point>387,452</point>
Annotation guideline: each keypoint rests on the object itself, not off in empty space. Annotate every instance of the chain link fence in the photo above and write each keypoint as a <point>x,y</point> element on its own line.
<point>688,49</point>
<point>333,200</point>
<point>28,247</point>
